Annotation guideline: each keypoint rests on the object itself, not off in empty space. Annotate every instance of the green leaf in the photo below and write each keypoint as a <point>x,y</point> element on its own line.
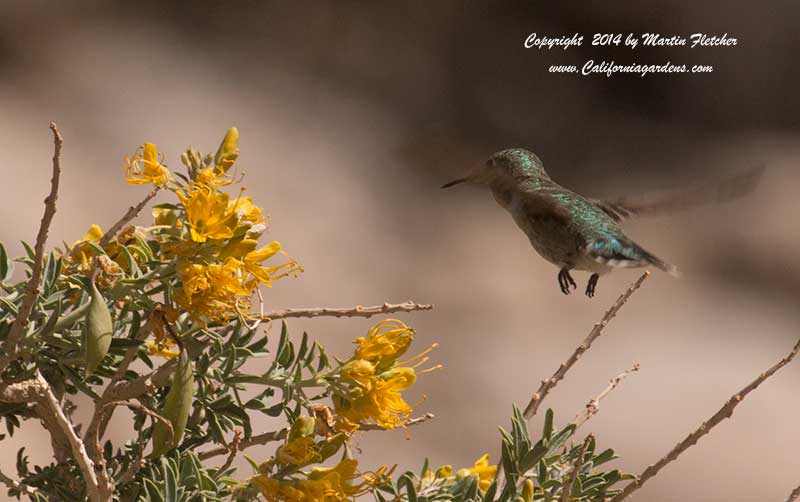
<point>77,381</point>
<point>252,462</point>
<point>133,267</point>
<point>548,424</point>
<point>6,265</point>
<point>28,250</point>
<point>530,459</point>
<point>490,492</point>
<point>405,481</point>
<point>49,327</point>
<point>603,457</point>
<point>170,483</point>
<point>561,437</point>
<point>541,474</point>
<point>125,343</point>
<point>153,493</point>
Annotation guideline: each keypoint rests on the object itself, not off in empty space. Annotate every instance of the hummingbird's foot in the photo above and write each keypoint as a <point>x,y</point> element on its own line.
<point>591,285</point>
<point>565,281</point>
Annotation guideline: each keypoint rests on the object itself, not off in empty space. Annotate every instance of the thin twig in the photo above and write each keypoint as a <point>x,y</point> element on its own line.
<point>17,486</point>
<point>260,439</point>
<point>233,447</point>
<point>408,423</point>
<point>126,218</point>
<point>593,406</point>
<point>130,473</point>
<point>794,495</point>
<point>138,463</point>
<point>357,311</point>
<point>550,383</point>
<point>32,288</point>
<point>144,409</point>
<point>566,490</point>
<point>85,464</point>
<point>725,412</point>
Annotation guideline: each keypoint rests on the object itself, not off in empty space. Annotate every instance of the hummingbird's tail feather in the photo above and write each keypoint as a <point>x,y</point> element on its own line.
<point>658,262</point>
<point>623,253</point>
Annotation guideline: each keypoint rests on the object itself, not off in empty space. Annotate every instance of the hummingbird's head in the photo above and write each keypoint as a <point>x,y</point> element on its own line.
<point>512,166</point>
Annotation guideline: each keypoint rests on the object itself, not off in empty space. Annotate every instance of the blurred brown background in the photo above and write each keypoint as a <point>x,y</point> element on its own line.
<point>353,113</point>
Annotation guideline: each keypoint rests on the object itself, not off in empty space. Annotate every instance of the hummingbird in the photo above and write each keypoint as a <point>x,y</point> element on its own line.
<point>579,233</point>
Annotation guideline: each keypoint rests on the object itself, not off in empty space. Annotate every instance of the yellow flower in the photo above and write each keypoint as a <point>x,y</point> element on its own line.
<point>145,167</point>
<point>214,291</point>
<point>238,248</point>
<point>374,393</point>
<point>380,399</point>
<point>385,342</point>
<point>298,451</point>
<point>212,177</point>
<point>162,349</point>
<point>482,471</point>
<point>208,214</point>
<point>81,250</point>
<point>94,234</point>
<point>249,213</point>
<point>360,372</point>
<point>265,275</point>
<point>444,471</point>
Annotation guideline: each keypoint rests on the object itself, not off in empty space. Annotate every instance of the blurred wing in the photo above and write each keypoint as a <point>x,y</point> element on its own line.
<point>674,200</point>
<point>540,205</point>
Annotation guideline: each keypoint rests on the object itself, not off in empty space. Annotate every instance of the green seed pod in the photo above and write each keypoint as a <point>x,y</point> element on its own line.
<point>99,330</point>
<point>177,406</point>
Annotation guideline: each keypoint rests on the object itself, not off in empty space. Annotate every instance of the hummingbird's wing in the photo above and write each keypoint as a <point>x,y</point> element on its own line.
<point>666,201</point>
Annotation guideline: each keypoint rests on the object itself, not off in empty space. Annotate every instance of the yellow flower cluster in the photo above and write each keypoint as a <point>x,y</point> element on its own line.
<point>215,238</point>
<point>329,484</point>
<point>483,472</point>
<point>375,379</point>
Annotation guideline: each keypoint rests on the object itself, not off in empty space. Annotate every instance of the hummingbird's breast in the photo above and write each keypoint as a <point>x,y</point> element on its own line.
<point>551,237</point>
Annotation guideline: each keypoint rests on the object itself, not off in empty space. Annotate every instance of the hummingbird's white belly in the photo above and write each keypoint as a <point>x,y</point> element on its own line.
<point>589,264</point>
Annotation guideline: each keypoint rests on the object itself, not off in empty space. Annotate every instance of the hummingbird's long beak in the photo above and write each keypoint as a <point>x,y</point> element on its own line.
<point>455,182</point>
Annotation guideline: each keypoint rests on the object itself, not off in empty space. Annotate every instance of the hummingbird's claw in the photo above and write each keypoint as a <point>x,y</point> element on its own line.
<point>565,281</point>
<point>591,285</point>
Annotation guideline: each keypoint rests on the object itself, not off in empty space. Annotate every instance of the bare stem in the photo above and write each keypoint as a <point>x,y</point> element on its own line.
<point>550,383</point>
<point>32,288</point>
<point>232,449</point>
<point>593,406</point>
<point>725,412</point>
<point>78,449</point>
<point>259,439</point>
<point>566,490</point>
<point>357,311</point>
